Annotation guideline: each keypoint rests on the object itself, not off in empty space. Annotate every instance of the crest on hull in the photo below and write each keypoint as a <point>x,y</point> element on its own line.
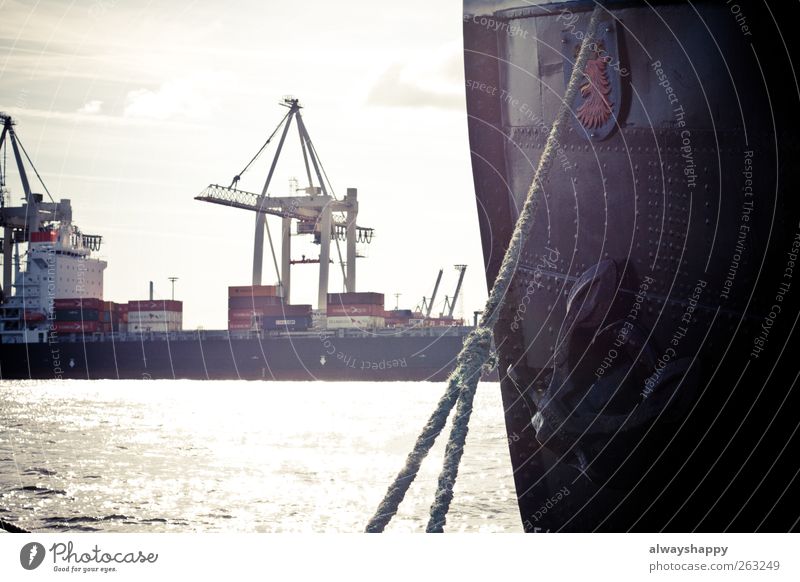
<point>596,107</point>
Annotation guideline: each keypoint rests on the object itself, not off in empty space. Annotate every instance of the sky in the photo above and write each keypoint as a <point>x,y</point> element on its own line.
<point>130,109</point>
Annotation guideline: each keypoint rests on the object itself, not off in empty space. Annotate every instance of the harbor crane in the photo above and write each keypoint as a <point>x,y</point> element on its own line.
<point>427,305</point>
<point>450,303</point>
<point>318,212</point>
<point>19,222</point>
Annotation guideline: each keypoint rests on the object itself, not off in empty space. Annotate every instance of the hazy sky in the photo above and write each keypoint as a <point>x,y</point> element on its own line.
<point>131,108</point>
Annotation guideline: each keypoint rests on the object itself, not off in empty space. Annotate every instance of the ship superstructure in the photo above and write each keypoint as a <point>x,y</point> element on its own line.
<point>58,262</point>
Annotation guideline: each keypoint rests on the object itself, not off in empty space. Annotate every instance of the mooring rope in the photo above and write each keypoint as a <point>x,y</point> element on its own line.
<point>463,382</point>
<point>11,528</point>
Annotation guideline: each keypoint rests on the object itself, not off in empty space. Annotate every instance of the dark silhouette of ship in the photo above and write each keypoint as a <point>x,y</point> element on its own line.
<point>644,350</point>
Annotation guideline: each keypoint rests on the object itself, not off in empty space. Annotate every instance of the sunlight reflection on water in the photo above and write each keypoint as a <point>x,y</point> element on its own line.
<point>237,456</point>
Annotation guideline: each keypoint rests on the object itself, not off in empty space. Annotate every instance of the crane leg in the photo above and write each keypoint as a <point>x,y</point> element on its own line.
<point>258,248</point>
<point>8,234</point>
<point>324,257</point>
<point>286,257</point>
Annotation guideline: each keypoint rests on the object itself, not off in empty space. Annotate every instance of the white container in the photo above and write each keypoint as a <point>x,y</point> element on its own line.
<point>355,322</point>
<point>155,316</point>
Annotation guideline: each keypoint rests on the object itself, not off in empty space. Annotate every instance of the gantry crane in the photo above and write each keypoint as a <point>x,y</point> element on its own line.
<point>450,303</point>
<point>18,222</point>
<point>426,305</point>
<point>319,212</point>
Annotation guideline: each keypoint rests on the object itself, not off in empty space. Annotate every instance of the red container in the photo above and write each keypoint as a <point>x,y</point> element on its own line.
<point>240,325</point>
<point>244,302</point>
<point>366,298</point>
<point>78,302</point>
<point>253,291</point>
<point>360,309</point>
<point>243,314</point>
<point>155,305</point>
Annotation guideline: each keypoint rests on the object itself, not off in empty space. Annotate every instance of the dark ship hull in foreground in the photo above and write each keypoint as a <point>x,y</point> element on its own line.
<point>645,368</point>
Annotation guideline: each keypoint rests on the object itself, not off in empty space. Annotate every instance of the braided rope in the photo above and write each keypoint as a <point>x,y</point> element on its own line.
<point>11,528</point>
<point>463,382</point>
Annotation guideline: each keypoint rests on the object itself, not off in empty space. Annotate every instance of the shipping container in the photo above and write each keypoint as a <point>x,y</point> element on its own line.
<point>111,312</point>
<point>155,316</point>
<point>355,322</point>
<point>243,302</point>
<point>77,315</point>
<point>243,314</point>
<point>401,313</point>
<point>253,291</point>
<point>288,310</point>
<point>297,323</point>
<point>155,326</point>
<point>241,325</point>
<point>360,309</point>
<point>366,298</point>
<point>155,305</point>
<point>75,326</point>
<point>78,303</point>
<point>270,311</point>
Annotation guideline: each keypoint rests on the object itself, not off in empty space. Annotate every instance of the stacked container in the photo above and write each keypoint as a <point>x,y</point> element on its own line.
<point>161,315</point>
<point>398,317</point>
<point>259,307</point>
<point>77,315</point>
<point>112,316</point>
<point>355,311</point>
<point>122,313</point>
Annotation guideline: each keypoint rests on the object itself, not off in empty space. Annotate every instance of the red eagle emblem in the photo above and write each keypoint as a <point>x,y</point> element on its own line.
<point>596,108</point>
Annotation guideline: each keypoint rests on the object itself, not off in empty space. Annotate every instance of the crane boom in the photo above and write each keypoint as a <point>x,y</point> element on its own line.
<point>462,269</point>
<point>435,290</point>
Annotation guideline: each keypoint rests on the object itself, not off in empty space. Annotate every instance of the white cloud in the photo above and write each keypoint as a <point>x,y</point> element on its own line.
<point>190,97</point>
<point>92,107</point>
<point>436,80</point>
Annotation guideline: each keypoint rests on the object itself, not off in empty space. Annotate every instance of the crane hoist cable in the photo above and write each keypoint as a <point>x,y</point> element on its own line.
<point>35,171</point>
<point>238,176</point>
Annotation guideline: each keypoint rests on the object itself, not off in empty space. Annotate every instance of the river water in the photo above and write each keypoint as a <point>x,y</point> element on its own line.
<point>190,456</point>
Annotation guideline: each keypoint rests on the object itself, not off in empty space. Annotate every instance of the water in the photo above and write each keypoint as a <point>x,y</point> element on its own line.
<point>189,456</point>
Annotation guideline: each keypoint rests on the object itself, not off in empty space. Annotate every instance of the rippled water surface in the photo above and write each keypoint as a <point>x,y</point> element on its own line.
<point>237,456</point>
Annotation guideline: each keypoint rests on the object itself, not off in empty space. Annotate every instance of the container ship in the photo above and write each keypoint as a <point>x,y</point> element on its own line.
<point>644,359</point>
<point>55,324</point>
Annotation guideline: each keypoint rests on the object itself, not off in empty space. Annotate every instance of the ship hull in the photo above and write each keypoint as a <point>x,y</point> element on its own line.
<point>218,356</point>
<point>641,389</point>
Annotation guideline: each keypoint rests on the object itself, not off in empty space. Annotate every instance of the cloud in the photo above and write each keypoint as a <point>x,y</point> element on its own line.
<point>191,97</point>
<point>171,99</point>
<point>436,81</point>
<point>92,107</point>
